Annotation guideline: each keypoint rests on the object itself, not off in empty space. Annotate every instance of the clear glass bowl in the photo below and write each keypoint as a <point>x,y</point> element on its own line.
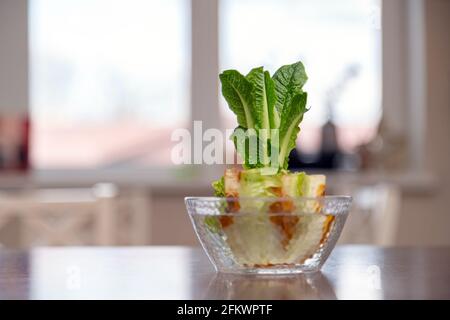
<point>268,235</point>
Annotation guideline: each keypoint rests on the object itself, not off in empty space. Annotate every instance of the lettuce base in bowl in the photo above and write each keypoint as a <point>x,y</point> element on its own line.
<point>261,241</point>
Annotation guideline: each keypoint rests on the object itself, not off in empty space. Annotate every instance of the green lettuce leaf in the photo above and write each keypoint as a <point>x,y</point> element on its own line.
<point>246,142</point>
<point>219,187</point>
<point>290,119</point>
<point>238,92</point>
<point>265,112</point>
<point>264,93</point>
<point>274,114</point>
<point>289,81</point>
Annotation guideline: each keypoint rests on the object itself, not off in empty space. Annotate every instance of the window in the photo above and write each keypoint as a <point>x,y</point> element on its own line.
<point>339,43</point>
<point>109,81</point>
<point>92,106</point>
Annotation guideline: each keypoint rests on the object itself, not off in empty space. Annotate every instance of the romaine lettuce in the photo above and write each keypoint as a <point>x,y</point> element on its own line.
<point>264,105</point>
<point>283,230</point>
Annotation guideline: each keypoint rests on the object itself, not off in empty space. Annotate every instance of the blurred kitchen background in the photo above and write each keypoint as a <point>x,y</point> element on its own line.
<point>91,90</point>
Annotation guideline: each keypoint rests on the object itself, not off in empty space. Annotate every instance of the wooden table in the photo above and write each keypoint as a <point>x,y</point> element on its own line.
<point>351,272</point>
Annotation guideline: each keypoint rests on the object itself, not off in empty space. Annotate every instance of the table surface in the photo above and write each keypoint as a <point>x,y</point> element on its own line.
<point>351,272</point>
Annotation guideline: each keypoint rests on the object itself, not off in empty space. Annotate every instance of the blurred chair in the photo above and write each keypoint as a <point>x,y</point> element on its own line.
<point>134,216</point>
<point>374,217</point>
<point>61,216</point>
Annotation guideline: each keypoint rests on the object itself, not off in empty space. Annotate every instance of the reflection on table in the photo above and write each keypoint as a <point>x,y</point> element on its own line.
<point>351,272</point>
<point>254,287</point>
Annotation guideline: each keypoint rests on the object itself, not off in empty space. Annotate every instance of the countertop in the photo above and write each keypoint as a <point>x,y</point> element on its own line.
<point>351,272</point>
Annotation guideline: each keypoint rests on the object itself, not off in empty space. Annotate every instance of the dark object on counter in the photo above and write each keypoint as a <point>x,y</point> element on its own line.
<point>328,157</point>
<point>14,143</point>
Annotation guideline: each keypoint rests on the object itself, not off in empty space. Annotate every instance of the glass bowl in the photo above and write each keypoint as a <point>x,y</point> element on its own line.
<point>268,235</point>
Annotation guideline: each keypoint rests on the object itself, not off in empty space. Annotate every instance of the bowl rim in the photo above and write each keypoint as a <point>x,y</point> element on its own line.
<point>321,201</point>
<point>321,198</point>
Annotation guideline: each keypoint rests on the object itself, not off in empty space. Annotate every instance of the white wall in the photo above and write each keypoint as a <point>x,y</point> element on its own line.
<point>426,217</point>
